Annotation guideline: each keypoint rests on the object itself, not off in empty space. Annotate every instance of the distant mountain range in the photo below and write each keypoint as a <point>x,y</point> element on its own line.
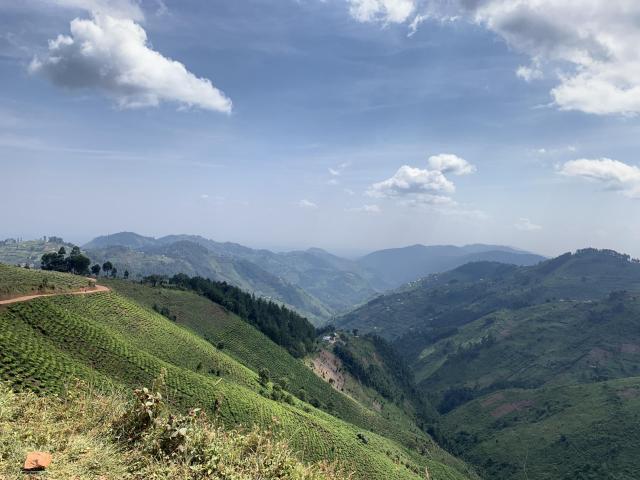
<point>314,281</point>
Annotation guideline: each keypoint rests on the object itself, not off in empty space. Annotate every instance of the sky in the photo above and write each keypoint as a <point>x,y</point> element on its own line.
<point>351,125</point>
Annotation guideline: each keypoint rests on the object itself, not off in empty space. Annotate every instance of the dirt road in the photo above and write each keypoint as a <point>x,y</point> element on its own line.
<point>87,291</point>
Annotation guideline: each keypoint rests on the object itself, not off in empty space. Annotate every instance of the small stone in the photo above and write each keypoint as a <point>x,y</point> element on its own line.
<point>37,461</point>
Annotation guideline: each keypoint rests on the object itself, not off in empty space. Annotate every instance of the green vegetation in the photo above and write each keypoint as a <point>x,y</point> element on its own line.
<point>574,432</point>
<point>29,252</point>
<point>16,282</point>
<point>283,326</point>
<point>109,340</point>
<point>534,369</point>
<point>93,435</point>
<point>76,262</point>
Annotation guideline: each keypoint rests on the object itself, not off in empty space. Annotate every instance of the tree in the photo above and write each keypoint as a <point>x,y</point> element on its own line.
<point>78,263</point>
<point>265,376</point>
<point>95,269</point>
<point>62,251</point>
<point>74,251</point>
<point>126,274</point>
<point>54,261</point>
<point>107,267</point>
<point>114,272</point>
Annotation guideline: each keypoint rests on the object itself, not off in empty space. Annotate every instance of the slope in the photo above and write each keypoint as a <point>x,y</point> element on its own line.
<point>107,339</point>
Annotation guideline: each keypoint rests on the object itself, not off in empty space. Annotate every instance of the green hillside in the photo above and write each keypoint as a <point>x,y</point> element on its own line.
<point>19,281</point>
<point>574,432</point>
<point>106,338</point>
<point>516,358</point>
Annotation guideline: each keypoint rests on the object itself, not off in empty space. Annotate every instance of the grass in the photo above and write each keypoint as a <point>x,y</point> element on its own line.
<point>111,341</point>
<point>16,282</point>
<point>83,430</point>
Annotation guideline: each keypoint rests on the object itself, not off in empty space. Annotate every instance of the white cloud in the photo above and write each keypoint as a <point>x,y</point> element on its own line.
<point>412,186</point>
<point>449,163</point>
<point>613,174</point>
<point>334,172</point>
<point>111,53</point>
<point>529,74</point>
<point>526,225</point>
<point>333,182</point>
<point>408,180</point>
<point>365,209</point>
<point>387,11</point>
<point>204,196</point>
<point>592,43</point>
<point>304,203</point>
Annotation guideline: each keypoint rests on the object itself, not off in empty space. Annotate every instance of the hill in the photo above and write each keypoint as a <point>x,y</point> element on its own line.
<point>534,369</point>
<point>111,340</point>
<point>402,265</point>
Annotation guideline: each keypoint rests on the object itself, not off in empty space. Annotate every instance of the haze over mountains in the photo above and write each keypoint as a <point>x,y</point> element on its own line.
<point>314,281</point>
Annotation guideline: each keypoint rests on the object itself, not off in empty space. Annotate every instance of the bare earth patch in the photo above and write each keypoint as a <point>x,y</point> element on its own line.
<point>327,366</point>
<point>630,348</point>
<point>508,408</point>
<point>629,393</point>
<point>495,398</point>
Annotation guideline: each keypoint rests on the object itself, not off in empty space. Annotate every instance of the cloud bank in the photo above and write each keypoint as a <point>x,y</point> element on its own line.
<point>591,43</point>
<point>611,174</point>
<point>111,53</point>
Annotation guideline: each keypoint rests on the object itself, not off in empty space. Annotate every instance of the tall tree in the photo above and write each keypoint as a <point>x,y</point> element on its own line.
<point>96,269</point>
<point>106,267</point>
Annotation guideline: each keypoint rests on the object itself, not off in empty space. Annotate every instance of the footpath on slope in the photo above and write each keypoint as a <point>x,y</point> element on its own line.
<point>84,291</point>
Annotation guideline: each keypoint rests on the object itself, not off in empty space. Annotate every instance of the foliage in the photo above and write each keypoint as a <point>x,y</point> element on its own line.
<point>76,262</point>
<point>19,281</point>
<point>283,326</point>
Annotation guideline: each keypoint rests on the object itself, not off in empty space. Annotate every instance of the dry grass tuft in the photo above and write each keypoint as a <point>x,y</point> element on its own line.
<point>93,435</point>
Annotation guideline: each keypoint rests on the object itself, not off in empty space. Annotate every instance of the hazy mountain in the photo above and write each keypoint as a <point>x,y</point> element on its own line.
<point>401,265</point>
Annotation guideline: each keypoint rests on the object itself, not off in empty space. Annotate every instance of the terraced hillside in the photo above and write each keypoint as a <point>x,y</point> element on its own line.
<point>16,282</point>
<point>107,338</point>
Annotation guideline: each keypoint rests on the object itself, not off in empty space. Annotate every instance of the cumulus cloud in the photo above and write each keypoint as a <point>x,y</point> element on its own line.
<point>612,174</point>
<point>449,163</point>
<point>409,180</point>
<point>304,203</point>
<point>526,225</point>
<point>423,186</point>
<point>387,11</point>
<point>111,53</point>
<point>593,43</point>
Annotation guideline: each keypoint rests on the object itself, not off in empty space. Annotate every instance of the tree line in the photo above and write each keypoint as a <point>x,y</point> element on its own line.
<point>77,263</point>
<point>285,327</point>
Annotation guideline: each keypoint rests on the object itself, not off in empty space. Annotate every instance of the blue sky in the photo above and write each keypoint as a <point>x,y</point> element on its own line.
<point>345,124</point>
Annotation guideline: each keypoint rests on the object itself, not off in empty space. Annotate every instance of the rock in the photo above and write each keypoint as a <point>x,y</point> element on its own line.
<point>37,461</point>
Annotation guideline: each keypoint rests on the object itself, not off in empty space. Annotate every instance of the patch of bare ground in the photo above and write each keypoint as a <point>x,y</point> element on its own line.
<point>507,408</point>
<point>491,400</point>
<point>630,348</point>
<point>629,393</point>
<point>327,366</point>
